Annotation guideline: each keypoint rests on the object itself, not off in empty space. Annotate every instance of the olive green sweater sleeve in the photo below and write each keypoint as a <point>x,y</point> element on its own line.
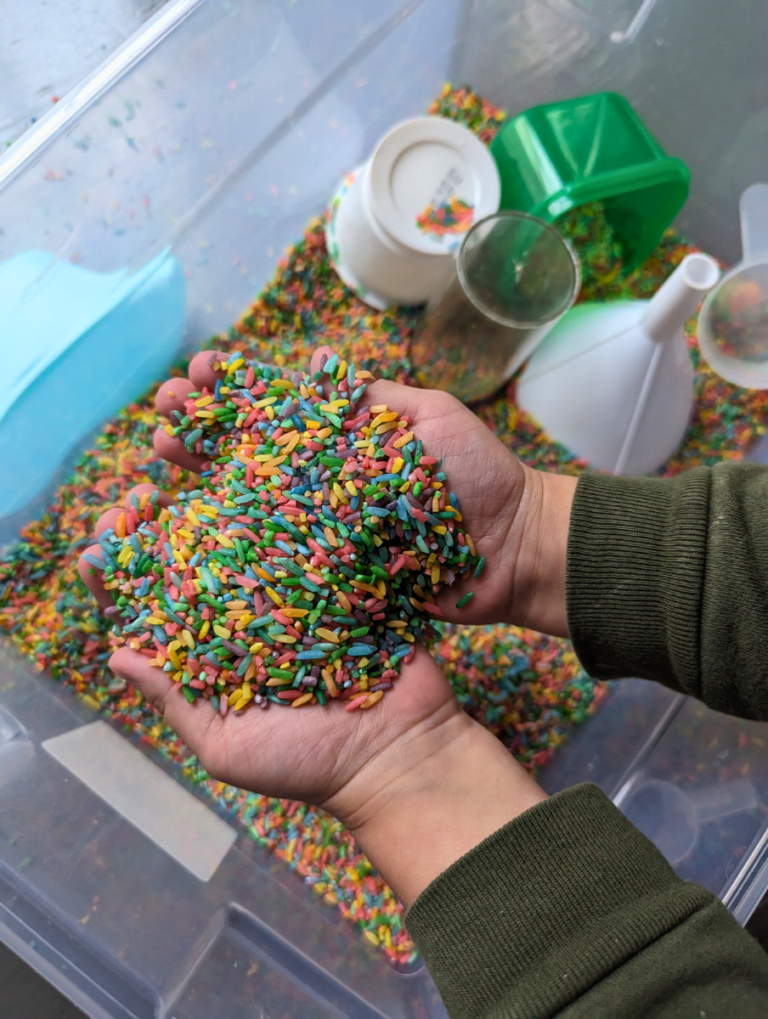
<point>569,911</point>
<point>667,579</point>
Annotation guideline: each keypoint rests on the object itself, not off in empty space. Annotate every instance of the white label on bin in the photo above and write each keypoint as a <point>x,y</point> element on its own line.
<point>143,794</point>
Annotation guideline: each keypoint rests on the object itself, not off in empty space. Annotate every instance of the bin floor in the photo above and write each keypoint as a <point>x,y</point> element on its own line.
<point>526,688</point>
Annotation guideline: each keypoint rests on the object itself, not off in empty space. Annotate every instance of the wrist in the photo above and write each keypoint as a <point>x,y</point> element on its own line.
<point>431,797</point>
<point>540,534</point>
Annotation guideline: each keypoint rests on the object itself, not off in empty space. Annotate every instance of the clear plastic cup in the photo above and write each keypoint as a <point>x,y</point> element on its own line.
<point>733,324</point>
<point>516,275</point>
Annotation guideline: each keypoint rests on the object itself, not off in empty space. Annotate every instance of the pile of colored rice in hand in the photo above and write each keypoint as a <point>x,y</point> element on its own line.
<point>309,561</point>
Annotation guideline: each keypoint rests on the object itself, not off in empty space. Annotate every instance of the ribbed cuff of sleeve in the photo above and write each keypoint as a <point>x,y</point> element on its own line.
<point>635,575</point>
<point>545,907</point>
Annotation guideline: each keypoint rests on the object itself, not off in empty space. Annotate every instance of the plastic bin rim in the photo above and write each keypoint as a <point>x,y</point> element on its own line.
<point>88,91</point>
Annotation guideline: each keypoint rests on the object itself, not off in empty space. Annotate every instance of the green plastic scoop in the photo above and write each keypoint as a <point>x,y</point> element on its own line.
<point>595,148</point>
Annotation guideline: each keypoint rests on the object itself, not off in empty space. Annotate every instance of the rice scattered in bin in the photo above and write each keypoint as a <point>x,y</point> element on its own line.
<point>528,688</point>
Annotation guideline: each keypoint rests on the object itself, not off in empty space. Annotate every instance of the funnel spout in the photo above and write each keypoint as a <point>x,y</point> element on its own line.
<point>676,301</point>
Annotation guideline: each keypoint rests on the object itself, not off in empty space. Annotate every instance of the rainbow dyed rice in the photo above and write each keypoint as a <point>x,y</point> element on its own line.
<point>307,565</point>
<point>527,688</point>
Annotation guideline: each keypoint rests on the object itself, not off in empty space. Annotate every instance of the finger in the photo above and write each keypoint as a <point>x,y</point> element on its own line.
<point>172,396</point>
<point>90,574</point>
<point>423,676</point>
<point>406,400</point>
<point>172,449</point>
<point>93,577</point>
<point>201,369</point>
<point>317,359</point>
<point>106,521</point>
<point>194,723</point>
<point>146,487</point>
<point>174,393</point>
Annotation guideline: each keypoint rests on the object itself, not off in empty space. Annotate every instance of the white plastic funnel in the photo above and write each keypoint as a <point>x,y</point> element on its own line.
<point>614,382</point>
<point>733,325</point>
<point>672,818</point>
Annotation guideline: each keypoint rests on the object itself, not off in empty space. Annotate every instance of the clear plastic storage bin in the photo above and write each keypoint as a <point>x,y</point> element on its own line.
<point>209,139</point>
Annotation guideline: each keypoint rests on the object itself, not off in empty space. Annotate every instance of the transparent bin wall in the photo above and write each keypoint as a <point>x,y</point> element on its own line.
<point>214,135</point>
<point>693,780</point>
<point>695,71</point>
<point>212,138</point>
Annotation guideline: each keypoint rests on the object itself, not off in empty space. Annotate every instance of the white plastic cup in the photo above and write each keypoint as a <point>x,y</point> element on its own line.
<point>395,224</point>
